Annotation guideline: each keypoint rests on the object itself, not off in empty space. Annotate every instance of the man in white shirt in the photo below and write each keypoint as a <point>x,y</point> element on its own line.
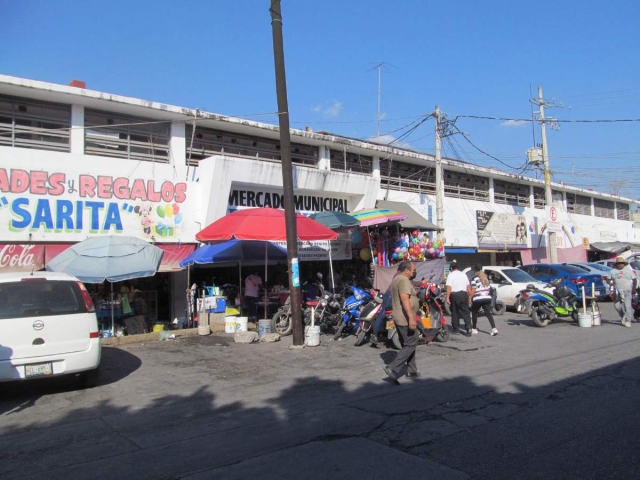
<point>458,294</point>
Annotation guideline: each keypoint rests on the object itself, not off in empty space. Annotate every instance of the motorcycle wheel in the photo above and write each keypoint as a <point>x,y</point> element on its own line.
<point>443,336</point>
<point>362,337</point>
<point>446,308</point>
<point>281,323</point>
<point>541,320</point>
<point>395,339</point>
<point>498,308</point>
<point>338,334</point>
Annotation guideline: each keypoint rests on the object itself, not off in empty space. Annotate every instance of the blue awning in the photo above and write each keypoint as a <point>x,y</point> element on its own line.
<point>235,251</point>
<point>448,250</point>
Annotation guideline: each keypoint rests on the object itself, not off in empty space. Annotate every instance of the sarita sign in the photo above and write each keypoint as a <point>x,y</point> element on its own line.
<point>303,203</point>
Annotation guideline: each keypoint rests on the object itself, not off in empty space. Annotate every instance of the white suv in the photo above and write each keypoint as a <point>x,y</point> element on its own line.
<point>48,327</point>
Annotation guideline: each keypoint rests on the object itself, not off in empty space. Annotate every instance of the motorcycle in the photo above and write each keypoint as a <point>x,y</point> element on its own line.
<point>429,294</point>
<point>351,310</point>
<point>313,293</point>
<point>545,307</point>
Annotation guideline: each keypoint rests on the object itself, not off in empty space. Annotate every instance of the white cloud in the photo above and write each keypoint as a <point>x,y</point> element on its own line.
<point>513,123</point>
<point>332,110</point>
<point>389,140</point>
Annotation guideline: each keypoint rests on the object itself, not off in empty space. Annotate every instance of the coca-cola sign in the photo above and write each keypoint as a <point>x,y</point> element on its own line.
<point>21,258</point>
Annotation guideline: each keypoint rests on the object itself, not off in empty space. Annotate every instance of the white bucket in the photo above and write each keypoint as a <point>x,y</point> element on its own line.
<point>230,324</point>
<point>312,336</point>
<point>241,324</point>
<point>264,326</point>
<point>596,319</point>
<point>204,330</point>
<point>585,319</point>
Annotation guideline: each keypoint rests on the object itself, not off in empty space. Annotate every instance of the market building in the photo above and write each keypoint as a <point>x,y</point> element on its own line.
<point>77,162</point>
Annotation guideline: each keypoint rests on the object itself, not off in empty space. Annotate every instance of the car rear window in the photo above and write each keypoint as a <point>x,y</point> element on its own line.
<point>572,269</point>
<point>40,298</point>
<point>518,276</point>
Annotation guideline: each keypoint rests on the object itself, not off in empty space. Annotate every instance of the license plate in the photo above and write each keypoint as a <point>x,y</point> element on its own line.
<point>390,324</point>
<point>38,369</point>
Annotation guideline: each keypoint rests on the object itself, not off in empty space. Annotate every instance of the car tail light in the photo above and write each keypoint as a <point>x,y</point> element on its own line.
<point>33,279</point>
<point>88,303</point>
<point>579,281</point>
<point>94,335</point>
<point>605,279</point>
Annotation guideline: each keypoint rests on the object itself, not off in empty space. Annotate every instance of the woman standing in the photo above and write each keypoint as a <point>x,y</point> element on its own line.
<point>481,298</point>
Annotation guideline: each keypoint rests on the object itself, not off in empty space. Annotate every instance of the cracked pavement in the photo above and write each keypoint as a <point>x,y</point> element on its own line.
<point>557,402</point>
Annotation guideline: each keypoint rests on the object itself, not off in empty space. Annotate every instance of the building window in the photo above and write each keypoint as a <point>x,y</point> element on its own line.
<point>623,211</point>
<point>407,177</point>
<point>510,193</point>
<point>578,204</point>
<point>538,197</point>
<point>350,162</point>
<point>27,123</point>
<point>464,185</point>
<point>206,142</point>
<point>122,136</point>
<point>604,208</point>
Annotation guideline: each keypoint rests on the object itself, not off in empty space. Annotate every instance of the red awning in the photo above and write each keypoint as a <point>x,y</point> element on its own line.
<point>174,253</point>
<point>31,257</point>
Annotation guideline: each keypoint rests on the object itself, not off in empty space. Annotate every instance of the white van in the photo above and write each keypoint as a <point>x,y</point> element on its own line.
<point>48,327</point>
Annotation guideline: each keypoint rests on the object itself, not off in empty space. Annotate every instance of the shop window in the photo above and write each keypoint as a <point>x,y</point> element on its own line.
<point>350,162</point>
<point>207,142</point>
<point>407,177</point>
<point>508,193</point>
<point>27,123</point>
<point>114,135</point>
<point>464,185</point>
<point>603,208</point>
<point>623,211</point>
<point>578,204</point>
<point>538,197</point>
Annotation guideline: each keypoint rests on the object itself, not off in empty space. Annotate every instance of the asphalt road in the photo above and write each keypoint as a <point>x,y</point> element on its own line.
<point>555,402</point>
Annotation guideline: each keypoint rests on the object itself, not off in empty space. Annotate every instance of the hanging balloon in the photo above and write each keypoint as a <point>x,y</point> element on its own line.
<point>365,254</point>
<point>441,247</point>
<point>429,245</point>
<point>356,236</point>
<point>431,251</point>
<point>415,233</point>
<point>406,256</point>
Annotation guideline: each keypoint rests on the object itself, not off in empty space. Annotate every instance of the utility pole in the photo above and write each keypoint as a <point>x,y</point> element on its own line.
<point>548,196</point>
<point>379,90</point>
<point>287,174</point>
<point>439,180</point>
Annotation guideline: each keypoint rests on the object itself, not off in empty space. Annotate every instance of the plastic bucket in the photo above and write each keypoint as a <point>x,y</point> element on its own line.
<point>596,319</point>
<point>204,330</point>
<point>158,327</point>
<point>241,324</point>
<point>312,336</point>
<point>585,319</point>
<point>230,324</point>
<point>264,326</point>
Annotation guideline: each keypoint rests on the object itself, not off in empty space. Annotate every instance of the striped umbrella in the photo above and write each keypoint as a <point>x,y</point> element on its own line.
<point>377,216</point>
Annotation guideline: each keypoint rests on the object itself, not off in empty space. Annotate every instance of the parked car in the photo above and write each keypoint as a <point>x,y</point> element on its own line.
<point>575,278</point>
<point>508,282</point>
<point>634,261</point>
<point>595,268</point>
<point>48,327</point>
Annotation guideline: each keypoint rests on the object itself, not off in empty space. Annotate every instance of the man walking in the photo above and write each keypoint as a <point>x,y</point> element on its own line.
<point>623,277</point>
<point>458,294</point>
<point>405,306</point>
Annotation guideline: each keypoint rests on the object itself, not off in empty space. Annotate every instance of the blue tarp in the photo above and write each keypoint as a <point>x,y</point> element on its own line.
<point>235,251</point>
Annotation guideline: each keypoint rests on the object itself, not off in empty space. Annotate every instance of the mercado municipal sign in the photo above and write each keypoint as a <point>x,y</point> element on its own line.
<point>60,205</point>
<point>249,198</point>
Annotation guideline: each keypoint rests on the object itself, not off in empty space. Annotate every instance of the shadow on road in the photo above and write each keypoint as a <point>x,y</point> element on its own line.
<point>115,365</point>
<point>323,428</point>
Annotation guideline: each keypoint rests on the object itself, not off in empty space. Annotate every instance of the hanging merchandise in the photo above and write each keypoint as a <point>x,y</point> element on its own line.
<point>414,245</point>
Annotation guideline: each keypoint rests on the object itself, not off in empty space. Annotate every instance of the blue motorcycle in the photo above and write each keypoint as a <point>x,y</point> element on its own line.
<point>351,310</point>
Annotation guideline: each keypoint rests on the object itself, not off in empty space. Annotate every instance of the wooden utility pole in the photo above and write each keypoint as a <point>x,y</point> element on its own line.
<point>287,174</point>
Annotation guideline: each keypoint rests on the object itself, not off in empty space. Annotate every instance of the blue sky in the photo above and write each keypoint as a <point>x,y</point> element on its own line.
<point>470,57</point>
